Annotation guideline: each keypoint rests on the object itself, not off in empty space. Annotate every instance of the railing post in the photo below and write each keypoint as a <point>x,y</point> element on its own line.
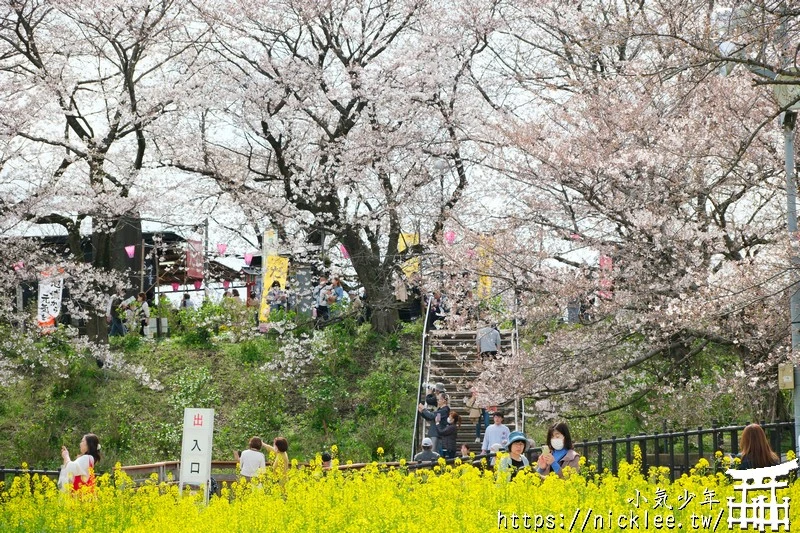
<point>614,455</point>
<point>671,456</point>
<point>778,438</point>
<point>699,442</point>
<point>734,435</point>
<point>643,443</point>
<point>628,451</point>
<point>685,452</point>
<point>657,450</point>
<point>599,455</point>
<point>714,437</point>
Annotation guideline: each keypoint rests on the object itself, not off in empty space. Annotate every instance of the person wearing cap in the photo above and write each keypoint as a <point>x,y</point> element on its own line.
<point>427,453</point>
<point>437,418</point>
<point>561,453</point>
<point>515,460</point>
<point>497,433</point>
<point>326,460</point>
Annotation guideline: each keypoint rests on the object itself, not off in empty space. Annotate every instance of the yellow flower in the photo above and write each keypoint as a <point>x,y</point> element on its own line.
<point>380,451</point>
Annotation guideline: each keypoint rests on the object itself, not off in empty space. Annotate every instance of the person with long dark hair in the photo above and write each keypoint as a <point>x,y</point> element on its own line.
<point>558,453</point>
<point>80,472</point>
<point>756,451</point>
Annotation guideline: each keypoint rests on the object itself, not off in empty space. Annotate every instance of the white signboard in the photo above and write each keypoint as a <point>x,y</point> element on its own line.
<point>198,434</point>
<point>49,303</point>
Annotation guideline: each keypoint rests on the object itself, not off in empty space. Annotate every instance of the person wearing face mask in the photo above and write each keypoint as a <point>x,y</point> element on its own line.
<point>448,435</point>
<point>560,453</point>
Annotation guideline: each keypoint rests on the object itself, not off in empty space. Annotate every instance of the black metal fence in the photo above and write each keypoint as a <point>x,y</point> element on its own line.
<point>14,472</point>
<point>680,451</point>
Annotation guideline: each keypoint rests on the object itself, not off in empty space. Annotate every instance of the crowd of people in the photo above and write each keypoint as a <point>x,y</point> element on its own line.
<point>557,455</point>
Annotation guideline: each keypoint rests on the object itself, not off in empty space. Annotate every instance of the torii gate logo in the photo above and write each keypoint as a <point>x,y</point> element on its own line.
<point>757,511</point>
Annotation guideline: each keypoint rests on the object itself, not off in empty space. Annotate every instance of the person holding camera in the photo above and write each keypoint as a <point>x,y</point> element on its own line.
<point>431,400</point>
<point>276,297</point>
<point>437,418</point>
<point>558,453</point>
<point>80,472</point>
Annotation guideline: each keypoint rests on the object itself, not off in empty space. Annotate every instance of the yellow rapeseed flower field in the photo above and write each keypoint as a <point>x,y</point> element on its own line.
<point>376,498</point>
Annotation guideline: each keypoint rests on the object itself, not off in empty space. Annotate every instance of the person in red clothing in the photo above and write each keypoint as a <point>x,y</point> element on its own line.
<point>80,472</point>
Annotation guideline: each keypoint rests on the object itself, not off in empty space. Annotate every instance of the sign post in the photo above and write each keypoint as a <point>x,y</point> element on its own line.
<point>198,434</point>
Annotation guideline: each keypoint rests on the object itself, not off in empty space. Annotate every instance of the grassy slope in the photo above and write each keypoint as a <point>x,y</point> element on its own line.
<point>358,393</point>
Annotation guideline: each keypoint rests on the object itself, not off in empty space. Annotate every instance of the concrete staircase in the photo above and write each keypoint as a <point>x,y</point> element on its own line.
<point>451,357</point>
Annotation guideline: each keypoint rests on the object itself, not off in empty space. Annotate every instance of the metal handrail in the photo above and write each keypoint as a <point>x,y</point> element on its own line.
<point>421,381</point>
<point>521,401</point>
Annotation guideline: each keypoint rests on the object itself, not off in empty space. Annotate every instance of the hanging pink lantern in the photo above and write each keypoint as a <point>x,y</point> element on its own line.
<point>248,258</point>
<point>221,247</point>
<point>449,236</point>
<point>130,250</point>
<point>198,284</point>
<point>175,286</point>
<point>19,265</point>
<point>575,236</point>
<point>226,284</point>
<point>344,251</point>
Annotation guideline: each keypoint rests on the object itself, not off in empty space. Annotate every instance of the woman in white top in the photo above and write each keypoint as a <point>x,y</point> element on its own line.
<point>251,460</point>
<point>80,472</point>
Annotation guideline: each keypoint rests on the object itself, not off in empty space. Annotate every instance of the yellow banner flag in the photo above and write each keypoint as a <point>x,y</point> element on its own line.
<point>411,267</point>
<point>407,240</point>
<point>485,263</point>
<point>484,287</point>
<point>404,242</point>
<point>277,269</point>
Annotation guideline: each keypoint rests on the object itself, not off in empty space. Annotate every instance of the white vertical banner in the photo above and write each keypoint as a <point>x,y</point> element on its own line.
<point>49,303</point>
<point>270,242</point>
<point>198,435</point>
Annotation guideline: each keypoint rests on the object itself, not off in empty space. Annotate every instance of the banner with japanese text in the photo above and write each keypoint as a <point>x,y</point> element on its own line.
<point>194,259</point>
<point>276,269</point>
<point>49,302</point>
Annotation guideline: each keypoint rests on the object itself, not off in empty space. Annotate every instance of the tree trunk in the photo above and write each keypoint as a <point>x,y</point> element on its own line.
<point>376,276</point>
<point>108,253</point>
<point>382,306</point>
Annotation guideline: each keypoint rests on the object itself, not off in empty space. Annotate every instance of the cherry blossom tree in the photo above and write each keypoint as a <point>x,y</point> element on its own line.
<point>84,88</point>
<point>350,119</point>
<point>634,147</point>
